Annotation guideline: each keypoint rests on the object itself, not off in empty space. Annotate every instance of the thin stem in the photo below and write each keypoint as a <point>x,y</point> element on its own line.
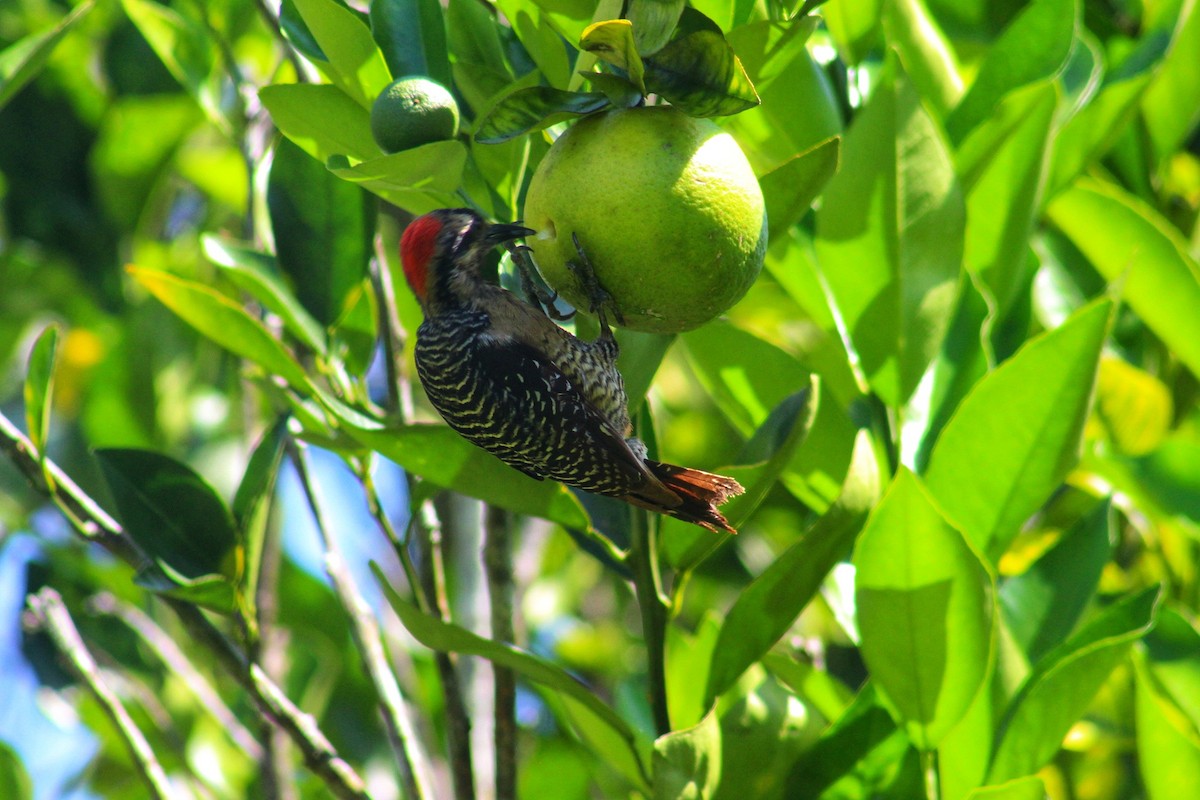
<point>93,524</point>
<point>48,612</point>
<point>399,543</point>
<point>458,721</point>
<point>647,581</point>
<point>929,765</point>
<point>179,665</point>
<point>365,630</point>
<point>497,560</point>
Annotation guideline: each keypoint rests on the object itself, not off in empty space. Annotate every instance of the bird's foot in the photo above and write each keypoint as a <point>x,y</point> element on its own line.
<point>597,295</point>
<point>536,293</point>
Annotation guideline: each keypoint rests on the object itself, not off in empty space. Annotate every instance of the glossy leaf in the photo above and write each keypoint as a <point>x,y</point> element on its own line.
<point>924,604</point>
<point>612,41</point>
<point>417,180</point>
<point>766,608</point>
<point>322,229</point>
<point>533,108</point>
<point>1002,165</point>
<point>1016,435</point>
<point>1043,604</point>
<point>890,238</point>
<point>39,388</point>
<point>411,35</point>
<point>441,456</point>
<point>1171,106</point>
<point>1168,746</point>
<point>790,189</point>
<point>1172,661</point>
<point>172,513</point>
<point>854,26</point>
<point>256,273</point>
<point>687,763</point>
<point>481,72</point>
<point>1033,47</point>
<point>535,27</point>
<point>352,62</point>
<point>321,119</point>
<point>252,503</point>
<point>220,319</point>
<point>1063,685</point>
<point>653,22</point>
<point>1133,408</point>
<point>1142,254</point>
<point>701,75</point>
<point>449,638</point>
<point>23,59</point>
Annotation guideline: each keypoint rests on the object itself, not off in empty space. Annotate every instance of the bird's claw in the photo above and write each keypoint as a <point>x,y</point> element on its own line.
<point>533,291</point>
<point>598,296</point>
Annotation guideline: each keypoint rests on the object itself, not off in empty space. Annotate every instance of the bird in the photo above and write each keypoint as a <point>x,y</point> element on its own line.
<point>509,379</point>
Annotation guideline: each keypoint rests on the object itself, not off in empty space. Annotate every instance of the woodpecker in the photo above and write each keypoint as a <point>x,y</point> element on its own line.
<point>510,380</point>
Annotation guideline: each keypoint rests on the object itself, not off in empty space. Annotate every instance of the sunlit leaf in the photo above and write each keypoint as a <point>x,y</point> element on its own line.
<point>653,22</point>
<point>1137,250</point>
<point>411,34</point>
<point>39,387</point>
<point>687,763</point>
<point>323,120</point>
<point>1030,788</point>
<point>924,604</point>
<point>1016,435</point>
<point>927,55</point>
<point>701,75</point>
<point>612,41</point>
<point>418,180</point>
<point>352,62</point>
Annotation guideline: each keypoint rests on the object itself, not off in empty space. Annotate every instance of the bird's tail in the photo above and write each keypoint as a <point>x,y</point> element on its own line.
<point>699,492</point>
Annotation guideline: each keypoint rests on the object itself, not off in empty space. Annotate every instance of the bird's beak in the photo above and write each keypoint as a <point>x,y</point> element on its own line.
<point>499,234</point>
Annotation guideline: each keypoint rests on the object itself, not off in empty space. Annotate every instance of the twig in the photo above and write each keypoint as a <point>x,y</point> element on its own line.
<point>497,560</point>
<point>48,612</point>
<point>647,582</point>
<point>177,662</point>
<point>458,721</point>
<point>93,524</point>
<point>365,629</point>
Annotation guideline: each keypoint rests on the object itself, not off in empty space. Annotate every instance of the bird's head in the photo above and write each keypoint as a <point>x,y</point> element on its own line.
<point>443,252</point>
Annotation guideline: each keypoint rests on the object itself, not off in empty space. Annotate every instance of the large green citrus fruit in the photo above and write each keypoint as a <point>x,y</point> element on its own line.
<point>413,111</point>
<point>666,208</point>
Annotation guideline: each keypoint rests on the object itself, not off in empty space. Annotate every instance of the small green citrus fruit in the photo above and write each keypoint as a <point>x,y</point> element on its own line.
<point>666,208</point>
<point>413,111</point>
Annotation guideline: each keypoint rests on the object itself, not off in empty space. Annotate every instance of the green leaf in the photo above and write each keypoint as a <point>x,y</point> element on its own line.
<point>536,29</point>
<point>799,110</point>
<point>441,456</point>
<point>1043,604</point>
<point>1034,47</point>
<point>449,638</point>
<point>481,72</point>
<point>1024,421</point>
<point>532,108</point>
<point>789,189</point>
<point>256,273</point>
<point>1140,253</point>
<point>23,59</point>
<point>1030,788</point>
<point>353,61</point>
<point>321,119</point>
<point>412,37</point>
<point>172,513</point>
<point>252,504</point>
<point>1063,685</point>
<point>854,26</point>
<point>890,238</point>
<point>1172,660</point>
<point>225,322</point>
<point>686,662</point>
<point>927,56</point>
<point>653,22</point>
<point>640,357</point>
<point>1133,408</point>
<point>612,41</point>
<point>701,75</point>
<point>39,388</point>
<point>214,592</point>
<point>1002,165</point>
<point>924,604</point>
<point>14,780</point>
<point>189,53</point>
<point>322,228</point>
<point>417,180</point>
<point>766,609</point>
<point>1171,106</point>
<point>1168,746</point>
<point>687,763</point>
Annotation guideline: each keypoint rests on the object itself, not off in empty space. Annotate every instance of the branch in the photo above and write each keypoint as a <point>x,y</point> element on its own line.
<point>497,561</point>
<point>370,644</point>
<point>93,524</point>
<point>47,612</point>
<point>647,582</point>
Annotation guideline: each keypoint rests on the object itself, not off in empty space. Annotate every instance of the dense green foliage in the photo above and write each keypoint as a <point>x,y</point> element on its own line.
<point>962,397</point>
